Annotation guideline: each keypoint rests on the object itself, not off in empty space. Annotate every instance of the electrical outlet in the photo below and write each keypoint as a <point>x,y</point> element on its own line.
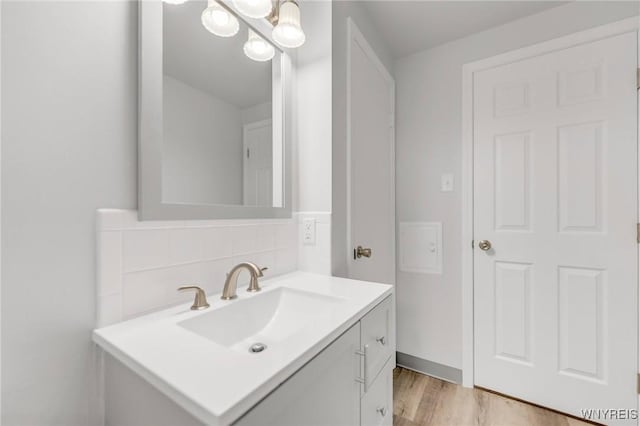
<point>309,231</point>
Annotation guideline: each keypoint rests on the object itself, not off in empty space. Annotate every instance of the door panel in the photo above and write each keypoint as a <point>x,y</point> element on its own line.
<point>371,168</point>
<point>555,192</point>
<point>513,311</point>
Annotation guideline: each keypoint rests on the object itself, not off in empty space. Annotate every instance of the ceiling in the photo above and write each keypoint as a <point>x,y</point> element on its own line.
<point>216,65</point>
<point>411,26</point>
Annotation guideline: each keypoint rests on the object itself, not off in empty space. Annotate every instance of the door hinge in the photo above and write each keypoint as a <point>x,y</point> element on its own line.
<point>248,153</point>
<point>638,232</point>
<point>638,384</point>
<point>638,80</point>
<point>472,243</point>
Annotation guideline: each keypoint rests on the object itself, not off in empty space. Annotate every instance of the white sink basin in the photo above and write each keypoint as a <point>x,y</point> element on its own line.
<point>269,318</point>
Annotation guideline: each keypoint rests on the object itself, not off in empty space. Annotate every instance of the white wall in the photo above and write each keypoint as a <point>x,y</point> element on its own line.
<point>313,115</point>
<point>312,148</point>
<point>202,154</point>
<point>428,143</point>
<point>69,147</point>
<point>69,115</point>
<point>256,113</point>
<point>341,11</point>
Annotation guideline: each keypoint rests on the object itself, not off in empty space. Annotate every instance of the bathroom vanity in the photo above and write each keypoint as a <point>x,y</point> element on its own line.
<point>307,349</point>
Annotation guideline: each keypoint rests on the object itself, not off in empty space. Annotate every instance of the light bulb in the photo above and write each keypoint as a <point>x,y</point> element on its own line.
<point>219,21</point>
<point>174,1</point>
<point>288,32</point>
<point>257,48</point>
<point>254,8</point>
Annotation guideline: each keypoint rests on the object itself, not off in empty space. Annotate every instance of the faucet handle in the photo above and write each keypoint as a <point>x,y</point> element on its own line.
<point>200,301</point>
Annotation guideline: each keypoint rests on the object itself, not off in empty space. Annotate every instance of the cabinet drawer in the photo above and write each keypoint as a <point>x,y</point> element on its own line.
<point>377,344</point>
<point>377,403</point>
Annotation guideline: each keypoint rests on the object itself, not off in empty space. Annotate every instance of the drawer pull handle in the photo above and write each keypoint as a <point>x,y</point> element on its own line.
<point>382,340</point>
<point>382,411</point>
<point>364,380</point>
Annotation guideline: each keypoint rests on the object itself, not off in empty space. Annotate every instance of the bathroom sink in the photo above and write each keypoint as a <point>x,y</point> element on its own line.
<point>264,320</point>
<point>201,359</point>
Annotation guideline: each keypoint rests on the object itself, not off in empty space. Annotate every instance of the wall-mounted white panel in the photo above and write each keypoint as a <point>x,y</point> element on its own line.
<point>420,246</point>
<point>580,177</point>
<point>582,328</point>
<point>512,166</point>
<point>513,302</point>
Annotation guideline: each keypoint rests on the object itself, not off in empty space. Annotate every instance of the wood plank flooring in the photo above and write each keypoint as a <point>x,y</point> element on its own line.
<point>420,400</point>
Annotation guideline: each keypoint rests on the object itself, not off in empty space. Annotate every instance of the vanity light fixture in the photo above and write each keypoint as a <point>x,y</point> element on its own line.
<point>219,20</point>
<point>288,31</point>
<point>257,48</point>
<point>254,8</point>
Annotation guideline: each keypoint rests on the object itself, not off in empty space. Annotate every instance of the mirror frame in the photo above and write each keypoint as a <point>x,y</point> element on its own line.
<point>150,127</point>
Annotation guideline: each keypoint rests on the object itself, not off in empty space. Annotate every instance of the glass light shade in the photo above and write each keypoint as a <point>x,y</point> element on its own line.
<point>219,20</point>
<point>254,8</point>
<point>258,48</point>
<point>288,32</point>
<point>174,1</point>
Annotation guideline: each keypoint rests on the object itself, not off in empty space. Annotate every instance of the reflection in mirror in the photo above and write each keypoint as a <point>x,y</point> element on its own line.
<point>222,114</point>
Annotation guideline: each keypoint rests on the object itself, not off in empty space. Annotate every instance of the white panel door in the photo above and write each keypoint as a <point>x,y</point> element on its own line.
<point>555,193</point>
<point>371,164</point>
<point>258,164</point>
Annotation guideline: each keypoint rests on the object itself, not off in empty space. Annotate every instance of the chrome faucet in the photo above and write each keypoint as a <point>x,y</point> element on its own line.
<point>231,282</point>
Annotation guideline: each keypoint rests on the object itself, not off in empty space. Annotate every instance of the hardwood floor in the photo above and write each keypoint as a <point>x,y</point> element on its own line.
<point>420,400</point>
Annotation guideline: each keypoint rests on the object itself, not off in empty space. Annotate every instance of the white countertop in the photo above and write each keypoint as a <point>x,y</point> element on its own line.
<point>218,386</point>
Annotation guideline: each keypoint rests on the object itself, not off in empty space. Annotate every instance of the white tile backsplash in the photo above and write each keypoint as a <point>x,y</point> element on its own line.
<point>141,264</point>
<point>109,263</point>
<point>217,242</point>
<point>186,245</point>
<point>144,249</point>
<point>244,239</point>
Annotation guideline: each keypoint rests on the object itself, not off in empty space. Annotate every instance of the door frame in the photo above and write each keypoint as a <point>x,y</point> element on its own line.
<point>468,70</point>
<point>354,34</point>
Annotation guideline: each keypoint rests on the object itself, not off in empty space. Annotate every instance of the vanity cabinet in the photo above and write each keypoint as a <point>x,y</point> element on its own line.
<point>349,383</point>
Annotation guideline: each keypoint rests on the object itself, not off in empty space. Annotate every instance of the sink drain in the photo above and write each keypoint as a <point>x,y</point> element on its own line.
<point>257,348</point>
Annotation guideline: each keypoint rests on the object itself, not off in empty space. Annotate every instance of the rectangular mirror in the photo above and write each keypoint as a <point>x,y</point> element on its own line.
<point>214,127</point>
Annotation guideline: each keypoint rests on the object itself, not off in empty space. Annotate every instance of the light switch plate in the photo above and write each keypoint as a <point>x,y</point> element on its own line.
<point>309,231</point>
<point>446,182</point>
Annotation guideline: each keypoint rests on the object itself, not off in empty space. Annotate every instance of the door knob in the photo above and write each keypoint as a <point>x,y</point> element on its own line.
<point>360,252</point>
<point>484,245</point>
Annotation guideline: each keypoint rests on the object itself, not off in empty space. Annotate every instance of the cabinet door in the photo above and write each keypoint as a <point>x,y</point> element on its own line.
<point>377,403</point>
<point>324,392</point>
